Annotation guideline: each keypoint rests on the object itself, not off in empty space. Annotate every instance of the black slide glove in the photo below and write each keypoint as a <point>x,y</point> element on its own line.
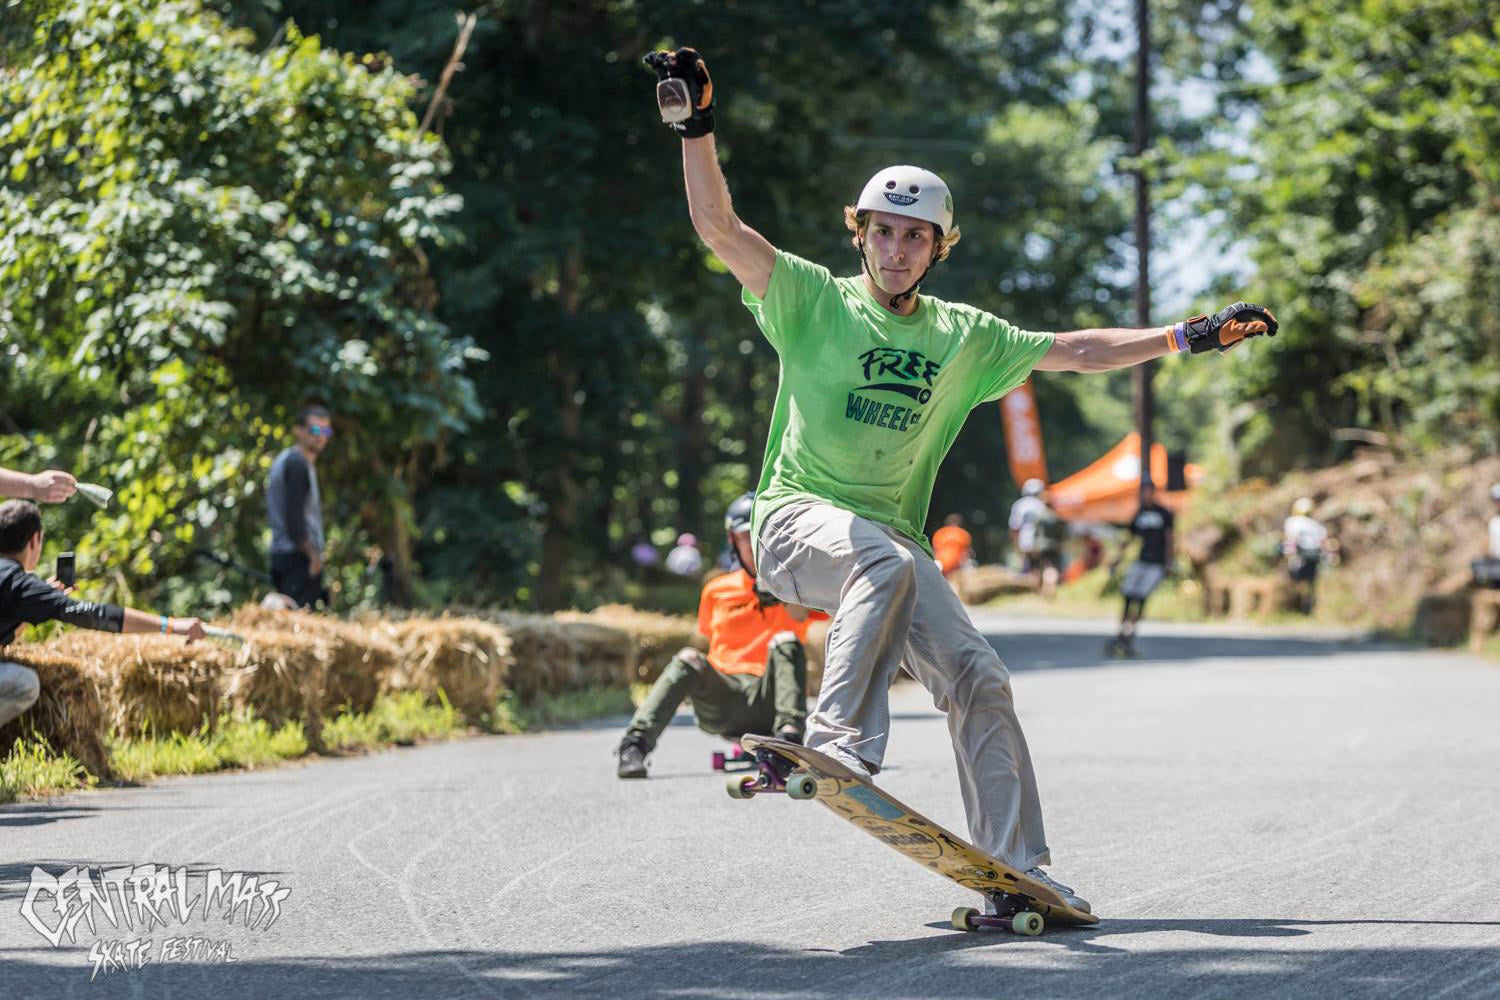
<point>1223,329</point>
<point>684,91</point>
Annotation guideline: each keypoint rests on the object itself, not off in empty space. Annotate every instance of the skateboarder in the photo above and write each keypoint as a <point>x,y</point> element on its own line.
<point>876,382</point>
<point>1037,533</point>
<point>753,678</point>
<point>1152,527</point>
<point>1305,543</point>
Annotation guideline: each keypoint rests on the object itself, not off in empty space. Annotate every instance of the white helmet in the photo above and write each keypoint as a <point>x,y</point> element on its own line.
<point>909,191</point>
<point>1495,492</point>
<point>1304,505</point>
<point>1033,488</point>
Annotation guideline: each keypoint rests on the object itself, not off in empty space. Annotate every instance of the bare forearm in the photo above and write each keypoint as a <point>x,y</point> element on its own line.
<point>745,252</point>
<point>17,485</point>
<point>139,622</point>
<point>707,191</point>
<point>1104,349</point>
<point>143,621</point>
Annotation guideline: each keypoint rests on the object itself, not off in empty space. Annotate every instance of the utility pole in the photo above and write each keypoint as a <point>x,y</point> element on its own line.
<point>1142,374</point>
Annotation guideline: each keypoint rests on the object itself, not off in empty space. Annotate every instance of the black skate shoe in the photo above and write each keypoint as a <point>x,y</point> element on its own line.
<point>632,753</point>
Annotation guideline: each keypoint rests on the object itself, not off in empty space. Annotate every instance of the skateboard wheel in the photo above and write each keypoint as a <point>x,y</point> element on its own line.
<point>801,786</point>
<point>963,919</point>
<point>1027,923</point>
<point>739,788</point>
<point>718,760</point>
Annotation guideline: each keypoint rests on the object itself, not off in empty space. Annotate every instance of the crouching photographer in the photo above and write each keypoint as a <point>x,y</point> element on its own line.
<point>27,599</point>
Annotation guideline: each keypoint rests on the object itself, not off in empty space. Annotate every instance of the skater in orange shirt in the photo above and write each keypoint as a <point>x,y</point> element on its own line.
<point>753,678</point>
<point>951,544</point>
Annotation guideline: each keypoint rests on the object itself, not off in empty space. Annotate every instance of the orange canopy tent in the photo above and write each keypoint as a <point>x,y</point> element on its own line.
<point>1109,489</point>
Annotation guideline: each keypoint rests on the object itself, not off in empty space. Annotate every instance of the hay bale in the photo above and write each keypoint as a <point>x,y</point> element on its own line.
<point>656,637</point>
<point>468,659</point>
<point>360,657</point>
<point>71,711</point>
<point>282,677</point>
<point>552,657</point>
<point>157,683</point>
<point>978,584</point>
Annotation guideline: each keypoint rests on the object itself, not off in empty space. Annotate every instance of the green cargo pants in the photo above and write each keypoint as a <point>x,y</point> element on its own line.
<point>729,704</point>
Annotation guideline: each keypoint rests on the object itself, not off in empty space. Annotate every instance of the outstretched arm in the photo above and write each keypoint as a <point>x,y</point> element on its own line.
<point>685,97</point>
<point>748,255</point>
<point>52,486</point>
<point>1105,349</point>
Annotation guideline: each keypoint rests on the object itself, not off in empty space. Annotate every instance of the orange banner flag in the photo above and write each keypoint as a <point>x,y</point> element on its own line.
<point>1023,434</point>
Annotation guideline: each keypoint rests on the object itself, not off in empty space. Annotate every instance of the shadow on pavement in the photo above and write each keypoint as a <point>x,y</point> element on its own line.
<point>40,814</point>
<point>1063,963</point>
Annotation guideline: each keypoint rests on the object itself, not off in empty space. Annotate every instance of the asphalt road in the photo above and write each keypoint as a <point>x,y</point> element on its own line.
<point>1253,814</point>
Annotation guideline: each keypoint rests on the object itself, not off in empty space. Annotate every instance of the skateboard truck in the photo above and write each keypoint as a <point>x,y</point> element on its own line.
<point>735,760</point>
<point>773,773</point>
<point>1012,913</point>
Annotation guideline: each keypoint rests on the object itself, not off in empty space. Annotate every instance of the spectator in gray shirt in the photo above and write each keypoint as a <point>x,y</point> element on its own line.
<point>296,510</point>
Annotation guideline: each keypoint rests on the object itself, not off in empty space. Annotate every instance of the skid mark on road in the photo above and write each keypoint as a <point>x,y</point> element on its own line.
<point>413,912</point>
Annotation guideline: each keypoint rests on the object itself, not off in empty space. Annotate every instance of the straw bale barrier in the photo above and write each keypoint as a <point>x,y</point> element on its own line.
<point>69,713</point>
<point>156,683</point>
<point>656,637</point>
<point>361,657</point>
<point>978,584</point>
<point>468,659</point>
<point>553,657</point>
<point>282,677</point>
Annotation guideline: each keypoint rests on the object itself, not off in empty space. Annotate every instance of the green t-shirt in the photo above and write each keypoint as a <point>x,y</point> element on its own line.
<point>869,402</point>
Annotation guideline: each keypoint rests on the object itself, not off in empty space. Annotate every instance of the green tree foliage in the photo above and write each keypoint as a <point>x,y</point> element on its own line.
<point>1372,218</point>
<point>630,391</point>
<point>196,235</point>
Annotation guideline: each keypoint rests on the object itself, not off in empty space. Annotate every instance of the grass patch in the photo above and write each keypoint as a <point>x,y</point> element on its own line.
<point>242,740</point>
<point>238,740</point>
<point>402,719</point>
<point>512,716</point>
<point>32,769</point>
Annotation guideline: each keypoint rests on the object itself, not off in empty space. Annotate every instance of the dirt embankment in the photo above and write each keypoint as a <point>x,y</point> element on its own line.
<point>1406,531</point>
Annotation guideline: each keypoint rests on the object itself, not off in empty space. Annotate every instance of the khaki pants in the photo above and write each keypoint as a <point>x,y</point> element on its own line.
<point>890,604</point>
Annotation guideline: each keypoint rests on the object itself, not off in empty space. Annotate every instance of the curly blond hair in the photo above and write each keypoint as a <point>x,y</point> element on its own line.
<point>855,221</point>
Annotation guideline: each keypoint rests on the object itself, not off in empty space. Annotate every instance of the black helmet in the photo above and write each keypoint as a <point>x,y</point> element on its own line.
<point>737,517</point>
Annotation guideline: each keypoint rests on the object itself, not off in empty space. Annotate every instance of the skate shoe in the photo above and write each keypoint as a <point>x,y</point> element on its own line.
<point>1070,897</point>
<point>632,753</point>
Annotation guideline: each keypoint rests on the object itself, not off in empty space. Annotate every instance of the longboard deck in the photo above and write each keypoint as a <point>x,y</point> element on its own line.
<point>857,800</point>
